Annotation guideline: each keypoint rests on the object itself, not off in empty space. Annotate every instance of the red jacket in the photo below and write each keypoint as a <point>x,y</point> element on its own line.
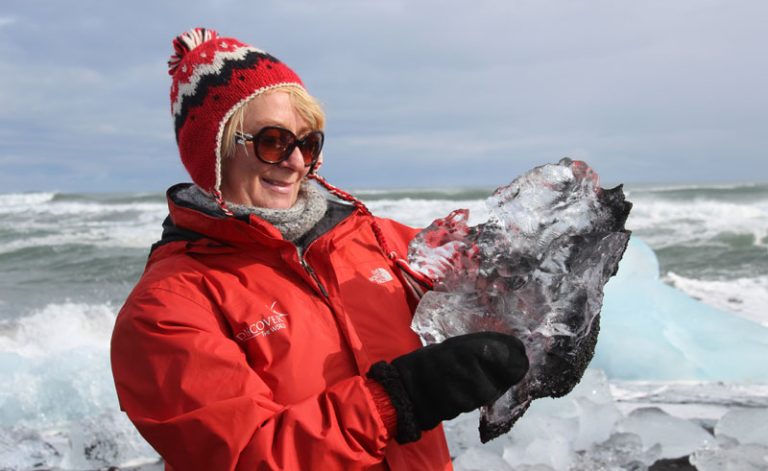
<point>234,352</point>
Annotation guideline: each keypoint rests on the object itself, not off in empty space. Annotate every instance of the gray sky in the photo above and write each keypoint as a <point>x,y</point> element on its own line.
<point>418,93</point>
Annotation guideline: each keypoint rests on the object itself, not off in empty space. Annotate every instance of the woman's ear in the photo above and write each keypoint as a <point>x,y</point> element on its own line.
<point>313,170</point>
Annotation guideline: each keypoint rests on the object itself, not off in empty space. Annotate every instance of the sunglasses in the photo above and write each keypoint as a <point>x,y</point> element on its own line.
<point>273,144</point>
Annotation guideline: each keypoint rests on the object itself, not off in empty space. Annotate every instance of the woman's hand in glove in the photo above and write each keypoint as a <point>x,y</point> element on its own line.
<point>440,381</point>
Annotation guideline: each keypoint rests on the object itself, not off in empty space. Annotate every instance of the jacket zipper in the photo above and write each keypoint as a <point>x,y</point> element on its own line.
<point>311,272</point>
<point>308,268</point>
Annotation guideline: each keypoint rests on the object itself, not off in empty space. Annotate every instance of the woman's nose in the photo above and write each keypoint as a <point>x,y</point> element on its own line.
<point>295,161</point>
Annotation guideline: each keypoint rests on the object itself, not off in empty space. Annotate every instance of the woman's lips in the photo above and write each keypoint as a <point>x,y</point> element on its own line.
<point>277,186</point>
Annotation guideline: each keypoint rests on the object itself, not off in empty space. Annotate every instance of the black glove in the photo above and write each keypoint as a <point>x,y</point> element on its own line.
<point>440,381</point>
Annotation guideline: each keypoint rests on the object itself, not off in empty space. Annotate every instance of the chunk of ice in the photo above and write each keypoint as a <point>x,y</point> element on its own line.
<point>731,456</point>
<point>556,452</point>
<point>478,459</point>
<point>745,425</point>
<point>536,269</point>
<point>554,430</point>
<point>677,437</point>
<point>555,433</point>
<point>24,448</point>
<point>622,451</point>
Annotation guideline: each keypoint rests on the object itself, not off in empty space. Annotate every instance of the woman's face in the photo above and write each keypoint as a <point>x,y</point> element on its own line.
<point>249,181</point>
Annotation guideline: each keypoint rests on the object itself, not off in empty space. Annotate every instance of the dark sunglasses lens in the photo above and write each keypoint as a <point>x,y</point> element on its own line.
<point>311,146</point>
<point>274,144</point>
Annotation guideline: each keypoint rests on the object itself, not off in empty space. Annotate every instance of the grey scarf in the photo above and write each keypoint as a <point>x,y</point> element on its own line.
<point>292,223</point>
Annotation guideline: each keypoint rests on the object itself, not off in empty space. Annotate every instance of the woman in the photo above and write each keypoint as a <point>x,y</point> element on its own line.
<point>270,329</point>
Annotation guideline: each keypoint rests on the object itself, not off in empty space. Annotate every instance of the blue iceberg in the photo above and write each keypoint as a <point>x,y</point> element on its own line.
<point>652,331</point>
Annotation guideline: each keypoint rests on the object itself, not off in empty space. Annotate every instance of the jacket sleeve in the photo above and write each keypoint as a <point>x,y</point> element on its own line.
<point>191,393</point>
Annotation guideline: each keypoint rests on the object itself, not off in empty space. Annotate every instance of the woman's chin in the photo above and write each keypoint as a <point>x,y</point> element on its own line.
<point>276,199</point>
<point>279,205</point>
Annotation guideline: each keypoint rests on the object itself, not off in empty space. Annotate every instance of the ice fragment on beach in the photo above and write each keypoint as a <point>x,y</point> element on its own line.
<point>677,437</point>
<point>742,442</point>
<point>88,443</point>
<point>563,422</point>
<point>728,454</point>
<point>25,448</point>
<point>622,451</point>
<point>586,416</point>
<point>103,440</point>
<point>478,459</point>
<point>745,425</point>
<point>555,452</point>
<point>535,269</point>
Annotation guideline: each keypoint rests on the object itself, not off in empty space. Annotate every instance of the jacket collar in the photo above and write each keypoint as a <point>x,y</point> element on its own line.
<point>208,225</point>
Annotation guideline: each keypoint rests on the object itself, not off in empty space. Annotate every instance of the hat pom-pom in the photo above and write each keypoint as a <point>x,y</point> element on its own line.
<point>186,42</point>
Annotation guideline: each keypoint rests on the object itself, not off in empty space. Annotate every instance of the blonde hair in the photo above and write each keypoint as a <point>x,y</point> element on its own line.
<point>307,106</point>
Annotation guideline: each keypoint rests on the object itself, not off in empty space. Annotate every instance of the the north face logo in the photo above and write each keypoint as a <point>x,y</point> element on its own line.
<point>380,276</point>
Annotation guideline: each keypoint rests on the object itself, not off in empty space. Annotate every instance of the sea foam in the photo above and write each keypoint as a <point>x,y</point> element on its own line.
<point>24,200</point>
<point>663,223</point>
<point>747,297</point>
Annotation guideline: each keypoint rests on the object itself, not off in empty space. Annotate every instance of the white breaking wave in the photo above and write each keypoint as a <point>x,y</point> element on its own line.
<point>658,222</point>
<point>690,186</point>
<point>747,297</point>
<point>107,235</point>
<point>58,404</point>
<point>37,222</point>
<point>666,223</point>
<point>363,192</point>
<point>24,200</point>
<point>421,212</point>
<point>58,328</point>
<point>47,207</point>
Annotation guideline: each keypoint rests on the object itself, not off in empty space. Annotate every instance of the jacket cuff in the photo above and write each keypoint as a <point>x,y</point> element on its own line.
<point>384,405</point>
<point>391,385</point>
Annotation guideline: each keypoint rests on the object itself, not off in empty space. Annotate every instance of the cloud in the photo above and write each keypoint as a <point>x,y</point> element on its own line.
<point>416,92</point>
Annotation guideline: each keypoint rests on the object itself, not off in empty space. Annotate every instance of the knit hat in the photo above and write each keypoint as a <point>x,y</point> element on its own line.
<point>212,78</point>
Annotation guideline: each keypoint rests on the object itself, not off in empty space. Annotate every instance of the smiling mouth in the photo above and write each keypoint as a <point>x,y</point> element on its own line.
<point>276,185</point>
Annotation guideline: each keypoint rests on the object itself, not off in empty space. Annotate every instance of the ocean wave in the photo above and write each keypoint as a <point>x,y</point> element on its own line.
<point>53,208</point>
<point>58,405</point>
<point>103,235</point>
<point>450,194</point>
<point>112,198</point>
<point>421,212</point>
<point>57,328</point>
<point>747,297</point>
<point>24,199</point>
<point>664,223</point>
<point>698,187</point>
<point>100,441</point>
<point>661,222</point>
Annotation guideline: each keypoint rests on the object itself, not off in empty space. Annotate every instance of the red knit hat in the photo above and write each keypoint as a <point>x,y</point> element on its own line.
<point>212,78</point>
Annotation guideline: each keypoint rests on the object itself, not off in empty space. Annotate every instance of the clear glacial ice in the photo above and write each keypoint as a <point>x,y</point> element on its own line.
<point>652,331</point>
<point>741,442</point>
<point>602,425</point>
<point>535,269</point>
